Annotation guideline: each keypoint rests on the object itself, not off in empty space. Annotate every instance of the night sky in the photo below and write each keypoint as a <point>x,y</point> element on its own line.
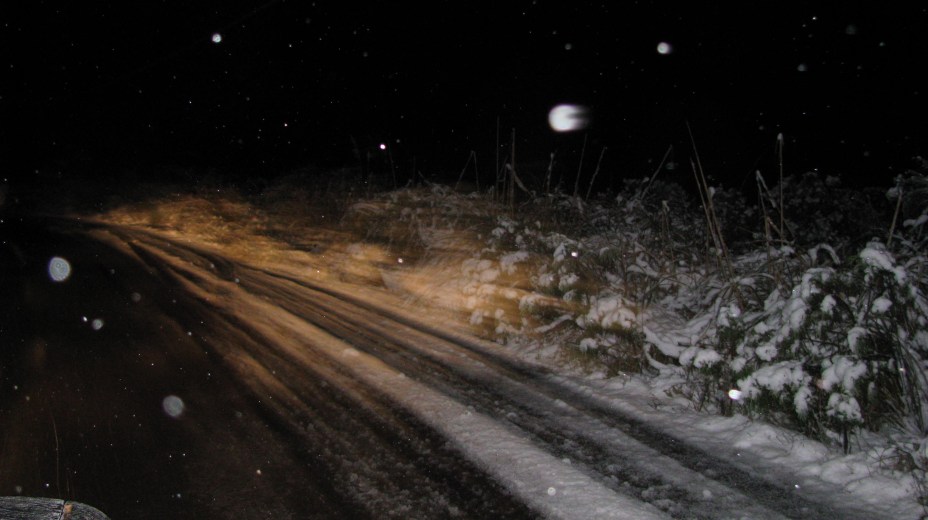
<point>99,88</point>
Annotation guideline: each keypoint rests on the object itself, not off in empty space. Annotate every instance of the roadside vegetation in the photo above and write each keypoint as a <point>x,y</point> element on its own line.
<point>804,307</point>
<point>802,304</point>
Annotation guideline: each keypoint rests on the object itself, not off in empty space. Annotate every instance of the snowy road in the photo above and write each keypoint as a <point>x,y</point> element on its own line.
<point>162,379</point>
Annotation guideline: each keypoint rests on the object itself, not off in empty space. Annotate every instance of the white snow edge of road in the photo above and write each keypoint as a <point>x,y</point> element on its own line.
<point>791,460</point>
<point>782,456</point>
<point>548,485</point>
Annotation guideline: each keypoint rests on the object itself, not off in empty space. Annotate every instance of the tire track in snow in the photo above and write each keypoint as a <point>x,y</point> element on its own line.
<point>679,471</point>
<point>545,483</point>
<point>507,390</point>
<point>393,464</point>
<point>606,453</point>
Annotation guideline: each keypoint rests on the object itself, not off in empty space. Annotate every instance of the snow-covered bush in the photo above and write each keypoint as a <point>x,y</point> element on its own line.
<point>834,344</point>
<point>844,347</point>
<point>823,327</point>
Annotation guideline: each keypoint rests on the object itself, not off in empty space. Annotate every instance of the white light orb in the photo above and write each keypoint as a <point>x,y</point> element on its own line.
<point>59,269</point>
<point>173,406</point>
<point>217,38</point>
<point>664,48</point>
<point>568,118</point>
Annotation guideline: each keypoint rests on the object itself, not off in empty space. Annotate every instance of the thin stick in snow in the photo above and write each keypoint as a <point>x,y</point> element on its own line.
<point>782,216</point>
<point>892,227</point>
<point>599,162</point>
<point>548,174</point>
<point>580,166</point>
<point>472,155</point>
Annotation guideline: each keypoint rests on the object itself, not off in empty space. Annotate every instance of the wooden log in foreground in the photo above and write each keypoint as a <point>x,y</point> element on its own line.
<point>26,508</point>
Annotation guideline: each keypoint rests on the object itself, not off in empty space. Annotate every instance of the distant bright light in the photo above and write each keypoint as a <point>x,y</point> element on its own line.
<point>59,269</point>
<point>97,324</point>
<point>383,146</point>
<point>568,118</point>
<point>664,48</point>
<point>734,394</point>
<point>217,37</point>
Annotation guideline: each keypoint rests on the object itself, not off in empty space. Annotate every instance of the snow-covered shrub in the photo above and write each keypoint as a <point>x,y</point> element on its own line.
<point>826,337</point>
<point>910,456</point>
<point>613,350</point>
<point>845,345</point>
<point>823,328</point>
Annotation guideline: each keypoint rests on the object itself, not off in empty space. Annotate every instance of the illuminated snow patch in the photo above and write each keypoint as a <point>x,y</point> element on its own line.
<point>59,269</point>
<point>568,118</point>
<point>173,406</point>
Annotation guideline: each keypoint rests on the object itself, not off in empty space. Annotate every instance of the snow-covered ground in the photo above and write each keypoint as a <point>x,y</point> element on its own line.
<point>632,338</point>
<point>869,473</point>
